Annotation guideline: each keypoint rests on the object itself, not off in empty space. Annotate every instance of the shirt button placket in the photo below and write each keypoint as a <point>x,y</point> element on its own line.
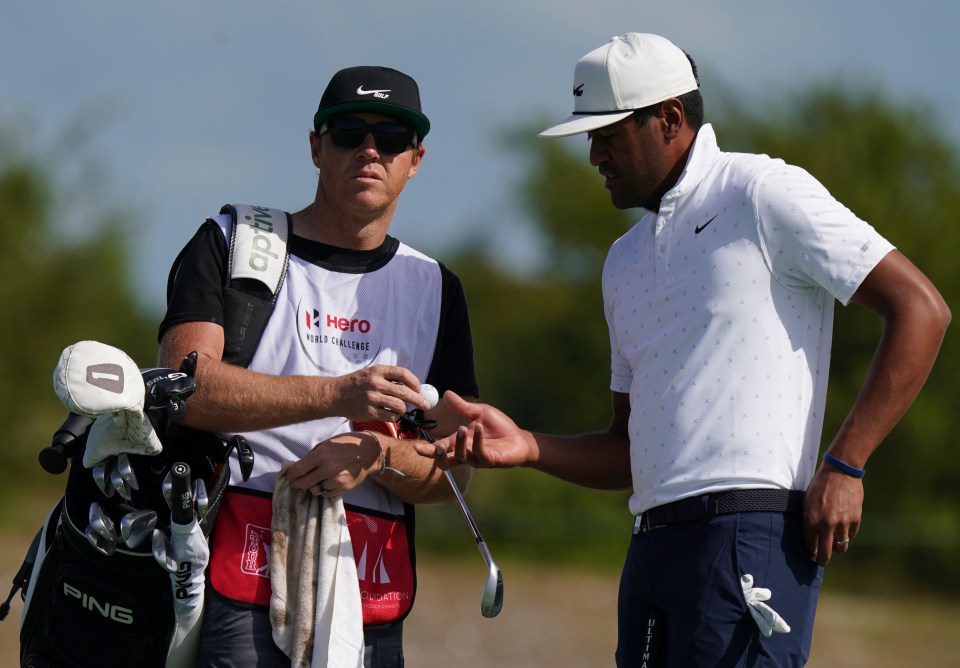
<point>662,235</point>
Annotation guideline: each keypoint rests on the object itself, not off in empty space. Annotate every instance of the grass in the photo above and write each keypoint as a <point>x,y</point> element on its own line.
<point>566,616</point>
<point>562,617</point>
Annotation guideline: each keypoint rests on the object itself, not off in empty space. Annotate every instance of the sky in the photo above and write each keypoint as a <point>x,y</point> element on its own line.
<point>166,111</point>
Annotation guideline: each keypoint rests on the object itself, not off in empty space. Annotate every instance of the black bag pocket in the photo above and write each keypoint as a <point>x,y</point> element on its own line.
<point>88,609</point>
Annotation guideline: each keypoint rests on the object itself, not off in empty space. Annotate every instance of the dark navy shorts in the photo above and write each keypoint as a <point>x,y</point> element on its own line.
<point>681,604</point>
<point>241,637</point>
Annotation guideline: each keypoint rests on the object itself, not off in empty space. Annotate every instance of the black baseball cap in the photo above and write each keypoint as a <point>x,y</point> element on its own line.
<point>380,90</point>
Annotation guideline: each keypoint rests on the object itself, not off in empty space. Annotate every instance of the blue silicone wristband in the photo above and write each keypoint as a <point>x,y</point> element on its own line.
<point>851,471</point>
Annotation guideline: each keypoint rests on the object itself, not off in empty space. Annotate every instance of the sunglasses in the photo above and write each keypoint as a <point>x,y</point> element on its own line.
<point>349,132</point>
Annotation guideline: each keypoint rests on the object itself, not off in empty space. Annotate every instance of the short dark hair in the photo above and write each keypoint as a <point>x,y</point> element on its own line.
<point>692,104</point>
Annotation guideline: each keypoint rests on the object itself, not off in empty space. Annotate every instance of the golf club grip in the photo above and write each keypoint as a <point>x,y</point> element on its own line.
<point>53,458</point>
<point>181,498</point>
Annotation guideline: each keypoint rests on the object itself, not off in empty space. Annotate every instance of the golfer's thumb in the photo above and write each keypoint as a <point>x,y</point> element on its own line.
<point>460,405</point>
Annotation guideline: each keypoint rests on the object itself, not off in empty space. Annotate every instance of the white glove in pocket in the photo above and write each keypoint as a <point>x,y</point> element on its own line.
<point>766,617</point>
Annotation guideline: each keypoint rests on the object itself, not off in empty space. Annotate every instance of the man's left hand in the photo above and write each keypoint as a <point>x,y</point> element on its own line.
<point>831,515</point>
<point>337,465</point>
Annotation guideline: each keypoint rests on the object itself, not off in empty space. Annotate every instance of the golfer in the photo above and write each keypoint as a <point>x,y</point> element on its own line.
<point>719,304</point>
<point>361,320</point>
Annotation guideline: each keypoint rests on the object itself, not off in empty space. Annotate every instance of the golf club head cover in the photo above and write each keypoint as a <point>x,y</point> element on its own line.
<point>189,549</point>
<point>120,431</point>
<point>766,617</point>
<point>97,380</point>
<point>93,379</point>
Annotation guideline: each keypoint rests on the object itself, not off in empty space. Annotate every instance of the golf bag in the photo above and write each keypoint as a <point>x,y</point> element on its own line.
<point>102,583</point>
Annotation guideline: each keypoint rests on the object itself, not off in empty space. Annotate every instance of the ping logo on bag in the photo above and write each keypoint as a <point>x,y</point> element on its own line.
<point>110,611</point>
<point>184,572</point>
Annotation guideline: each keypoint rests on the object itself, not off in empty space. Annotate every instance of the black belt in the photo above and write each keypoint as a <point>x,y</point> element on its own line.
<point>702,507</point>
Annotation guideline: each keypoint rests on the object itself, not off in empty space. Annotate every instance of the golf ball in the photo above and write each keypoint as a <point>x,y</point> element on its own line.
<point>429,392</point>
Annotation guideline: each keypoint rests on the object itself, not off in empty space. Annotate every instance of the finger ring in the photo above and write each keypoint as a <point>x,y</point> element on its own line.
<point>320,487</point>
<point>843,542</point>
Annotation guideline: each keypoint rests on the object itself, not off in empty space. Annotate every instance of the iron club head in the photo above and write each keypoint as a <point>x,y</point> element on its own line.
<point>167,487</point>
<point>161,551</point>
<point>136,526</point>
<point>101,523</point>
<point>492,601</point>
<point>101,476</point>
<point>200,498</point>
<point>119,484</point>
<point>103,545</point>
<point>125,469</point>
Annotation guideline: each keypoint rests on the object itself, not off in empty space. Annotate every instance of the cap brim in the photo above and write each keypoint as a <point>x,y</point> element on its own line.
<point>584,123</point>
<point>420,122</point>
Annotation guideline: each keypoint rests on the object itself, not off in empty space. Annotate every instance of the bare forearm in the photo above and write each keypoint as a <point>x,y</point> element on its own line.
<point>915,320</point>
<point>231,398</point>
<point>492,439</point>
<point>899,369</point>
<point>598,460</point>
<point>422,480</point>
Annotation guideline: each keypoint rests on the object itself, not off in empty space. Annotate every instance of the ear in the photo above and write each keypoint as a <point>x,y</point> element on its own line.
<point>671,117</point>
<point>416,159</point>
<point>315,148</point>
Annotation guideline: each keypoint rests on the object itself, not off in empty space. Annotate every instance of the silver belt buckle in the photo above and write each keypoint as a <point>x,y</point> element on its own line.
<point>637,522</point>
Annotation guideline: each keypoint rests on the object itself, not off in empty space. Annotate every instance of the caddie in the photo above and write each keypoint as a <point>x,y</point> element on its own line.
<point>355,322</point>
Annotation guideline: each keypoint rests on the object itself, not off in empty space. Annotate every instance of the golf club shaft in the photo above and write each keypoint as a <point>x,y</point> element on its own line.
<point>481,544</point>
<point>463,506</point>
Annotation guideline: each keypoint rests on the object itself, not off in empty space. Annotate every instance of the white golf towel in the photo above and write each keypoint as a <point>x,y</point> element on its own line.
<point>315,604</point>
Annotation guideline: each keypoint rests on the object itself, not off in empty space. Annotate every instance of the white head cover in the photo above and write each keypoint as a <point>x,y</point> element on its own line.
<point>101,381</point>
<point>93,378</point>
<point>630,72</point>
<point>189,551</point>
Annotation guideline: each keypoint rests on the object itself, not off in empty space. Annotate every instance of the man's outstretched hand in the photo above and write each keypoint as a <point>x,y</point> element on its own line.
<point>491,440</point>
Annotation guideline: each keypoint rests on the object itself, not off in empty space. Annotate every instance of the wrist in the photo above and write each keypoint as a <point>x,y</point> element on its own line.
<point>381,462</point>
<point>324,396</point>
<point>532,456</point>
<point>843,467</point>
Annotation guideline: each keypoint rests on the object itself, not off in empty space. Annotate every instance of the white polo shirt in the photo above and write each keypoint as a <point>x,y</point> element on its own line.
<point>720,310</point>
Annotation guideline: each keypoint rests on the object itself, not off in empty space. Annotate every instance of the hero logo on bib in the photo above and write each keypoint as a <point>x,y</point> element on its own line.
<point>334,336</point>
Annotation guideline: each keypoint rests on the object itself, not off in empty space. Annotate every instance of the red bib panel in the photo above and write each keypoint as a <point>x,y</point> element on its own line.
<point>240,556</point>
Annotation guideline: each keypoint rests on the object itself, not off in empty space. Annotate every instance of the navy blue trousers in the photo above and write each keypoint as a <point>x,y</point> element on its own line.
<point>681,604</point>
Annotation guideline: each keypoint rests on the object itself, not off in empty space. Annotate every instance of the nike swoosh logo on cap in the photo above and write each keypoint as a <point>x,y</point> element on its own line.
<point>360,91</point>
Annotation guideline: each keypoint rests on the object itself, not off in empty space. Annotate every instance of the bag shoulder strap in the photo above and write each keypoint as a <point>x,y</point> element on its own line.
<point>258,253</point>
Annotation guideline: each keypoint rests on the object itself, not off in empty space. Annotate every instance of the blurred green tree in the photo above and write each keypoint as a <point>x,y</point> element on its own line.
<point>57,288</point>
<point>893,165</point>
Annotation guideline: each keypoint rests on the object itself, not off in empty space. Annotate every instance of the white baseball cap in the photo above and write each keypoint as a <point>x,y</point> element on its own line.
<point>630,72</point>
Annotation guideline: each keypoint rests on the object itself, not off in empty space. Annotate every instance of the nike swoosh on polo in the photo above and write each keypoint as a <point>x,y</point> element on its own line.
<point>360,91</point>
<point>699,228</point>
